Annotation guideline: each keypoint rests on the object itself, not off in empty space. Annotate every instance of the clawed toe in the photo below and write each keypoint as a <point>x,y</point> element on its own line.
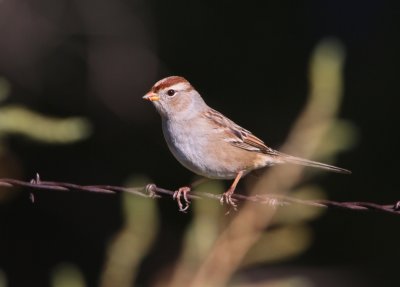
<point>227,196</point>
<point>182,191</point>
<point>229,200</point>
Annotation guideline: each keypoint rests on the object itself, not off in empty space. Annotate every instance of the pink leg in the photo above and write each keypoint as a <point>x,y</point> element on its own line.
<point>227,195</point>
<point>177,196</point>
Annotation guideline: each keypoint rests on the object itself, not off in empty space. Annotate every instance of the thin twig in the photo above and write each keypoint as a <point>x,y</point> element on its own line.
<point>153,191</point>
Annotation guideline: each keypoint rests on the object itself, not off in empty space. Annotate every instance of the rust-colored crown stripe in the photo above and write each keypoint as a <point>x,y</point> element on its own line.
<point>168,82</point>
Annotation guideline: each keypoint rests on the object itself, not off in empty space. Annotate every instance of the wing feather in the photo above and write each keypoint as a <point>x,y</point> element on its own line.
<point>236,135</point>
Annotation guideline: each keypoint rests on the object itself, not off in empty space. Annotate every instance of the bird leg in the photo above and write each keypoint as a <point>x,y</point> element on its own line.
<point>227,195</point>
<point>184,190</point>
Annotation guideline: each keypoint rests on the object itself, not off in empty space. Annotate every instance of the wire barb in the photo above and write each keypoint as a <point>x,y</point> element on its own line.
<point>397,206</point>
<point>150,189</point>
<point>153,191</point>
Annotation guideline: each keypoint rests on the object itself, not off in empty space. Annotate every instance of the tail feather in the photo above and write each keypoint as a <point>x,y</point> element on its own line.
<point>305,162</point>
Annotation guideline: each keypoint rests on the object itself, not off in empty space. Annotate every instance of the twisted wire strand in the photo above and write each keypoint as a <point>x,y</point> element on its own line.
<point>153,191</point>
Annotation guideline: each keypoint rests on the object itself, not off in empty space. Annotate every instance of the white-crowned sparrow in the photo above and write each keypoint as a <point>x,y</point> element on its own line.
<point>208,143</point>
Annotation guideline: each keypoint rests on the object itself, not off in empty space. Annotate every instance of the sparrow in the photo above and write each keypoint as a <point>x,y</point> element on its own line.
<point>208,143</point>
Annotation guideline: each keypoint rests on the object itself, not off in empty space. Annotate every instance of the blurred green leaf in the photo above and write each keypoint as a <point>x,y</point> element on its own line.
<point>4,88</point>
<point>19,120</point>
<point>131,244</point>
<point>67,275</point>
<point>3,279</point>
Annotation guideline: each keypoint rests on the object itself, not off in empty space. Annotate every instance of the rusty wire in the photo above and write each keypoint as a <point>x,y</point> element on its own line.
<point>153,191</point>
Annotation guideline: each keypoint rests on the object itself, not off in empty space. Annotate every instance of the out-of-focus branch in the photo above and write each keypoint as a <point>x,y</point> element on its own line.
<point>153,191</point>
<point>304,140</point>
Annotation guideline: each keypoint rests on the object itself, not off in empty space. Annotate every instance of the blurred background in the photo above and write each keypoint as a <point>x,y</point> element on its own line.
<point>72,77</point>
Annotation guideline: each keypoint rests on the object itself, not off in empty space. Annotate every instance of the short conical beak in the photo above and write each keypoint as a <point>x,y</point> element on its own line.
<point>150,96</point>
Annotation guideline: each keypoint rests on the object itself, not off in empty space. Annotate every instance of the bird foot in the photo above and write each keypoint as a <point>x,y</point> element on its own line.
<point>182,191</point>
<point>226,197</point>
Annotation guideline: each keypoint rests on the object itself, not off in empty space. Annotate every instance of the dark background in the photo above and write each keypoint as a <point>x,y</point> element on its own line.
<point>249,60</point>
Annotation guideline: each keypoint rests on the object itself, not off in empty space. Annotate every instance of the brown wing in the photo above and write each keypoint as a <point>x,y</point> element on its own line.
<point>241,138</point>
<point>236,135</point>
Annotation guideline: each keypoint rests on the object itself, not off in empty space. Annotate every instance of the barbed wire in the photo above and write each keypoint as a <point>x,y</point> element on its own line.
<point>153,191</point>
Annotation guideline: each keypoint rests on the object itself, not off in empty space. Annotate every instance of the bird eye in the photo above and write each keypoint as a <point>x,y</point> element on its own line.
<point>171,92</point>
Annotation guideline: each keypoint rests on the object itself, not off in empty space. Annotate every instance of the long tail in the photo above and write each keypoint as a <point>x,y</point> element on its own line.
<point>285,158</point>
